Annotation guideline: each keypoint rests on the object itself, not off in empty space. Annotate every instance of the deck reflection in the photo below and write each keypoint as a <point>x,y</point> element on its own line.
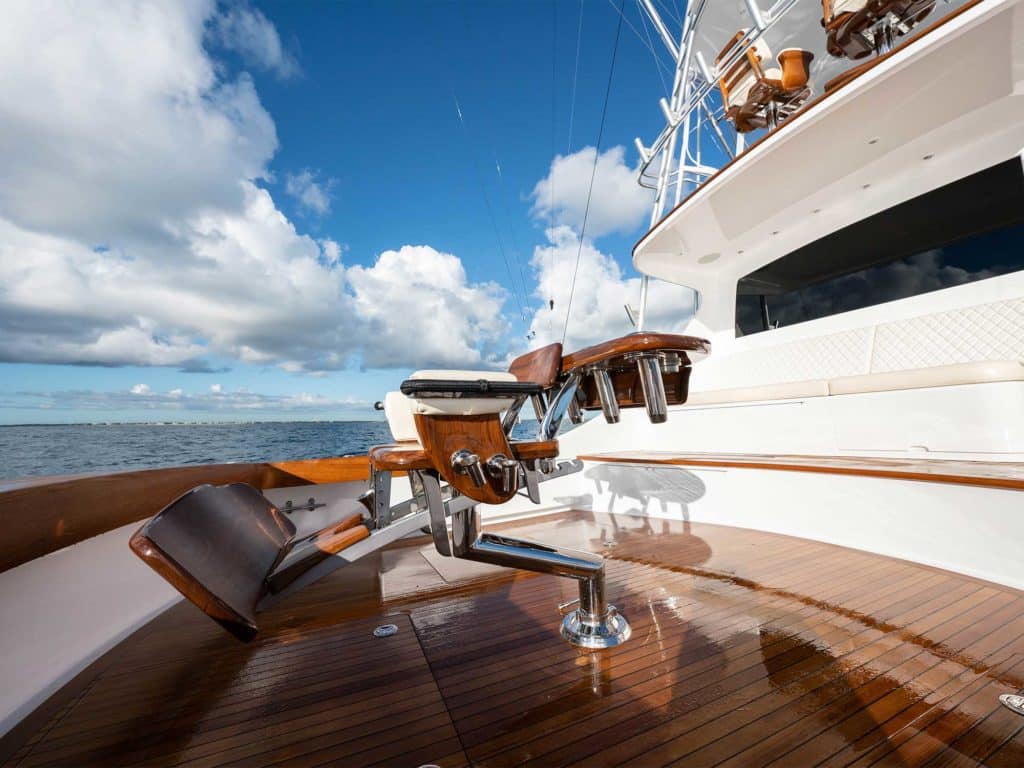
<point>748,649</point>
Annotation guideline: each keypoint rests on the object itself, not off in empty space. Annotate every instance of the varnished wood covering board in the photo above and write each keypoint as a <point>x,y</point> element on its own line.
<point>42,515</point>
<point>992,474</point>
<point>749,649</point>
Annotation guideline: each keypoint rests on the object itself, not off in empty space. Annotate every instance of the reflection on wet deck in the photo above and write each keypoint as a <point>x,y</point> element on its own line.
<point>748,649</point>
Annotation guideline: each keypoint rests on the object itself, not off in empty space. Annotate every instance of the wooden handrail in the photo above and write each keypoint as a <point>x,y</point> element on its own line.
<point>42,515</point>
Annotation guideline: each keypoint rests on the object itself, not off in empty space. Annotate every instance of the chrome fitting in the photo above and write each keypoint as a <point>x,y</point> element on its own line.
<point>587,631</point>
<point>466,463</point>
<point>505,470</point>
<point>606,394</point>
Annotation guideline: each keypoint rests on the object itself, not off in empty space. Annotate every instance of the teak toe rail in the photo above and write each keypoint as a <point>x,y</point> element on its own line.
<point>42,515</point>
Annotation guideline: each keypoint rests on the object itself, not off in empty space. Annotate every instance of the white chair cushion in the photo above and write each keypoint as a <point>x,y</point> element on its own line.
<point>398,410</point>
<point>847,6</point>
<point>461,406</point>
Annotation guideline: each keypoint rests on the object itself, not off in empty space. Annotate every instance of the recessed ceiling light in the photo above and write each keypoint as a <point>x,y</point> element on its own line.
<point>707,258</point>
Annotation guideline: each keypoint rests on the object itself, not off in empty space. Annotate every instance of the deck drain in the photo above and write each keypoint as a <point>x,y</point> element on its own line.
<point>385,630</point>
<point>1013,702</point>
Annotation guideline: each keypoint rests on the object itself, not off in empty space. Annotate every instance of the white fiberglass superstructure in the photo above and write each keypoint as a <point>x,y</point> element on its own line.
<point>857,263</point>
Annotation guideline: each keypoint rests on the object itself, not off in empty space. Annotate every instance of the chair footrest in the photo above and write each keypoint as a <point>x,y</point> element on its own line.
<point>312,550</point>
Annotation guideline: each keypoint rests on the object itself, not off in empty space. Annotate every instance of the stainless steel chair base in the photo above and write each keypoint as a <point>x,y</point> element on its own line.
<point>1013,702</point>
<point>580,629</point>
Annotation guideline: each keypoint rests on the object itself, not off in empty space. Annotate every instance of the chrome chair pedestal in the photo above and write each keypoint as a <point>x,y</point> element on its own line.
<point>586,631</point>
<point>594,625</point>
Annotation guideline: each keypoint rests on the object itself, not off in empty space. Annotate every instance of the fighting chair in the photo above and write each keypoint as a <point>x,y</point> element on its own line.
<point>753,96</point>
<point>227,549</point>
<point>856,28</point>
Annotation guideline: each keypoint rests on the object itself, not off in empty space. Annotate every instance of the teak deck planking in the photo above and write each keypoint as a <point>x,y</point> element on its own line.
<point>748,649</point>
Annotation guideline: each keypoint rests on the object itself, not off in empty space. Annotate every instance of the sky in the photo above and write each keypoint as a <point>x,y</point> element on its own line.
<point>215,211</point>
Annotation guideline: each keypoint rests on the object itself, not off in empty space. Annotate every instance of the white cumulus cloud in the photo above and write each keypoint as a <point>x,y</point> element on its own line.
<point>249,33</point>
<point>422,311</point>
<point>312,195</point>
<point>597,310</point>
<point>617,203</point>
<point>134,227</point>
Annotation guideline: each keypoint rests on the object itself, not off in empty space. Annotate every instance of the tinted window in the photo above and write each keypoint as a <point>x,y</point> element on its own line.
<point>969,230</point>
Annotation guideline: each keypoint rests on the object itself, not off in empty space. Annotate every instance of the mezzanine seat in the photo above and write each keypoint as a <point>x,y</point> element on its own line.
<point>856,28</point>
<point>755,97</point>
<point>226,547</point>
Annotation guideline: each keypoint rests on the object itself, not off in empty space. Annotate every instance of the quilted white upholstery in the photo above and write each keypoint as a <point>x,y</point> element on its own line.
<point>821,357</point>
<point>993,331</point>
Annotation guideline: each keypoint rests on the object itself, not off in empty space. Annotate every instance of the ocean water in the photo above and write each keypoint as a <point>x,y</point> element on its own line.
<point>75,448</point>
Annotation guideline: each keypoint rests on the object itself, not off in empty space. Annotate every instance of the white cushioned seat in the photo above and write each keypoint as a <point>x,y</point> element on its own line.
<point>399,409</point>
<point>461,406</point>
<point>789,391</point>
<point>937,376</point>
<point>847,6</point>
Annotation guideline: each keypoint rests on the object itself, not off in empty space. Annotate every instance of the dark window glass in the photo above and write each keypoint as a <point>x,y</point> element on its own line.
<point>968,230</point>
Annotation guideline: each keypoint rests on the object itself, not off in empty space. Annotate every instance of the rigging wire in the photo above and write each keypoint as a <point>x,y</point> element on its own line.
<point>629,24</point>
<point>575,78</point>
<point>554,152</point>
<point>512,233</point>
<point>593,172</point>
<point>519,290</point>
<point>671,15</point>
<point>650,44</point>
<point>487,204</point>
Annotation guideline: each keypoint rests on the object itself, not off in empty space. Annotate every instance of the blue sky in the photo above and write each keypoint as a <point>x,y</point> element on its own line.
<point>273,211</point>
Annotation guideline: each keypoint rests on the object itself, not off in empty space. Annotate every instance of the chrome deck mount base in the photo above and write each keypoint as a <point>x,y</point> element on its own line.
<point>583,630</point>
<point>1013,701</point>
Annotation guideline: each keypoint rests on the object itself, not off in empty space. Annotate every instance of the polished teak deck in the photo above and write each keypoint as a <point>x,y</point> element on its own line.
<point>748,649</point>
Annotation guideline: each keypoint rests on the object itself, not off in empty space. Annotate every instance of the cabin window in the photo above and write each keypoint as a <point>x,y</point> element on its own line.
<point>969,230</point>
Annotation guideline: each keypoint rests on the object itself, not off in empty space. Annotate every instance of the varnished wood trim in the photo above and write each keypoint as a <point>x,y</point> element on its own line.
<point>442,436</point>
<point>402,458</point>
<point>1009,475</point>
<point>635,342</point>
<point>318,548</point>
<point>341,469</point>
<point>541,366</point>
<point>535,449</point>
<point>242,627</point>
<point>399,458</point>
<point>837,83</point>
<point>42,515</point>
